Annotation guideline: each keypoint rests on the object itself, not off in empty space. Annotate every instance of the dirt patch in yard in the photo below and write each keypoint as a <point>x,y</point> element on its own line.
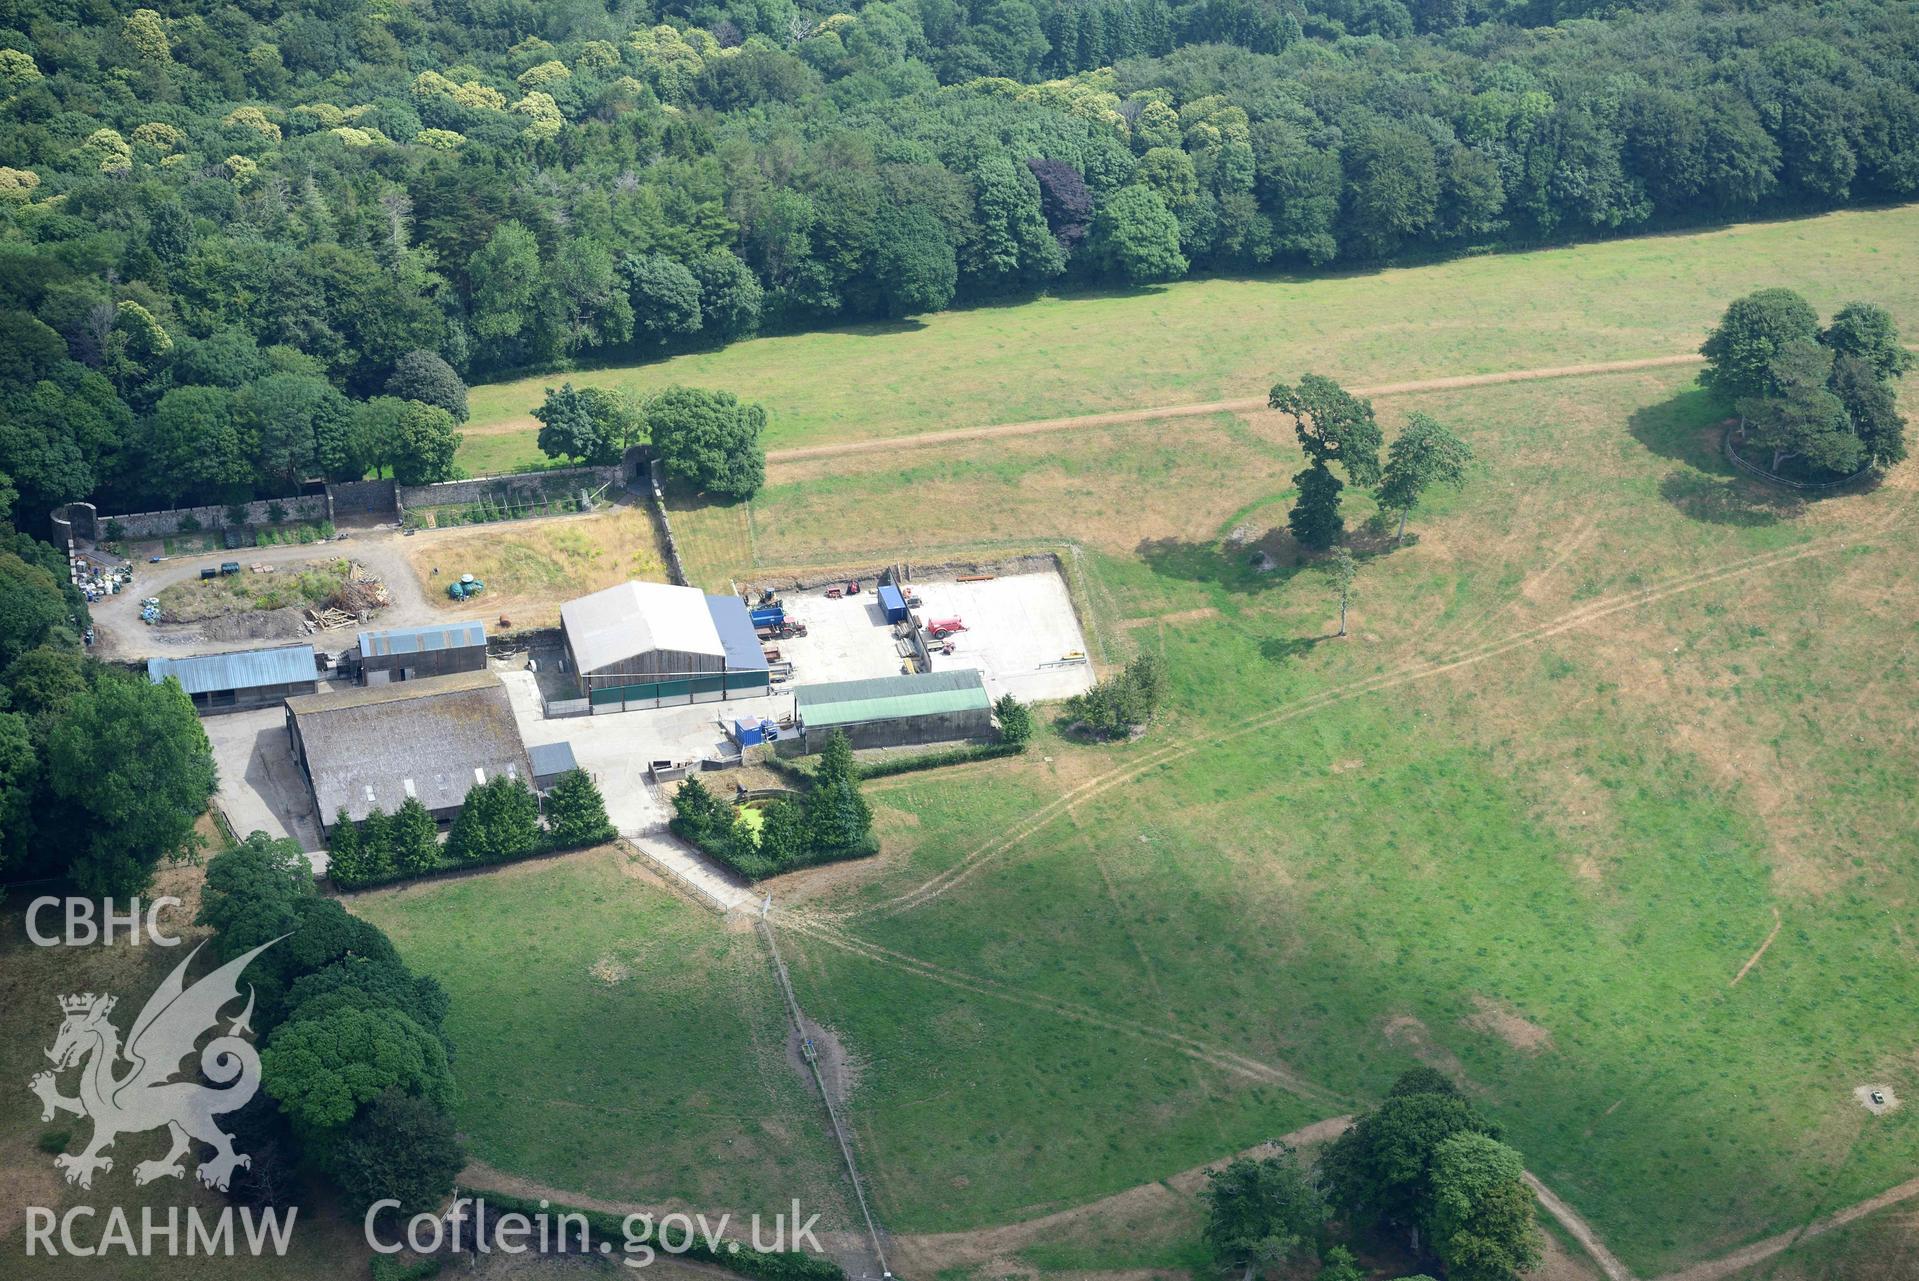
<point>331,583</point>
<point>1496,1018</point>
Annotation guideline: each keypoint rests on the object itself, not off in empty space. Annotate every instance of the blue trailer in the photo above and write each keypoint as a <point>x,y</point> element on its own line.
<point>768,615</point>
<point>892,604</point>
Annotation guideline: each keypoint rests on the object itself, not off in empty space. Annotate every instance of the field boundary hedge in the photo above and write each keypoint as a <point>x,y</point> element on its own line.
<point>910,764</point>
<point>452,867</point>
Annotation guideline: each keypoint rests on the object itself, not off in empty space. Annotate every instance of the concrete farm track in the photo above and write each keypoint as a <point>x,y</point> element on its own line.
<point>1253,404</point>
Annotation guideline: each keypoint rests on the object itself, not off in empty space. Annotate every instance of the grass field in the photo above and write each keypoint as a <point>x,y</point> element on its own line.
<point>1542,869</point>
<point>1213,339</point>
<point>1611,716</point>
<point>531,567</point>
<point>613,1040</point>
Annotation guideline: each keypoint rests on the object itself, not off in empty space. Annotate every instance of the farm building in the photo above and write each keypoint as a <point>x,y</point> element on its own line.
<point>550,760</point>
<point>238,681</point>
<point>644,645</point>
<point>409,653</point>
<point>432,739</point>
<point>895,711</point>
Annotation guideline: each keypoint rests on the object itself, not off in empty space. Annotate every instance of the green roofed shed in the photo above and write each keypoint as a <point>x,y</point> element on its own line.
<point>896,711</point>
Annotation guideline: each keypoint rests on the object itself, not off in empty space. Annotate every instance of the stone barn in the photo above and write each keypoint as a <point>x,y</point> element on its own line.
<point>895,711</point>
<point>241,680</point>
<point>432,739</point>
<point>641,645</point>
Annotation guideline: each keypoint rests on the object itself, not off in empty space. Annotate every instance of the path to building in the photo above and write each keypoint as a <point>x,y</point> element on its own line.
<point>608,748</point>
<point>1248,405</point>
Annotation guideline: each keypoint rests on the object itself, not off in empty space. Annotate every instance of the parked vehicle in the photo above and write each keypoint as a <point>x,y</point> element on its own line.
<point>229,567</point>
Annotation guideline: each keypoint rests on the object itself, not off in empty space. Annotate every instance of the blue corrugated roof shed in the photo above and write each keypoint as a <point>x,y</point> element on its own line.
<point>743,653</point>
<point>245,669</point>
<point>419,640</point>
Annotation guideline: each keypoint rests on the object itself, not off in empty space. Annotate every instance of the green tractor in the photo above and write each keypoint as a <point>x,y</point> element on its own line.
<point>466,588</point>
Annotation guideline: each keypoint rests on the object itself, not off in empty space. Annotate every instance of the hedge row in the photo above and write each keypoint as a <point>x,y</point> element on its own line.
<point>886,768</point>
<point>448,866</point>
<point>773,1265</point>
<point>754,868</point>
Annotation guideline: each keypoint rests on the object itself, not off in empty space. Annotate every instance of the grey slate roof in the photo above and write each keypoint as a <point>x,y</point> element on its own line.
<point>378,744</point>
<point>552,758</point>
<point>419,640</point>
<point>244,669</point>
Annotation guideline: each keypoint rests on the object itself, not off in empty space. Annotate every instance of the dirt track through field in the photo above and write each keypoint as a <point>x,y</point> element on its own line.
<point>1759,1251</point>
<point>1754,958</point>
<point>1580,616</point>
<point>1254,404</point>
<point>823,927</point>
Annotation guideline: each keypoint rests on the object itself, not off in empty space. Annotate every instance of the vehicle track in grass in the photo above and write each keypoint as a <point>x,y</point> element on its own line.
<point>1582,615</point>
<point>1243,405</point>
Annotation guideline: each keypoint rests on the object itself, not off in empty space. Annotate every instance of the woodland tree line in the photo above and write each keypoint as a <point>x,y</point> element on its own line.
<point>246,244</point>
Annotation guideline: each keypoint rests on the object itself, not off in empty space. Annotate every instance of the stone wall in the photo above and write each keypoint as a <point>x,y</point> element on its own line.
<point>160,524</point>
<point>521,487</point>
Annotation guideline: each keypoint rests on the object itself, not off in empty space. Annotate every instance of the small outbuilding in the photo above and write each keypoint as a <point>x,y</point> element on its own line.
<point>641,645</point>
<point>410,653</point>
<point>244,679</point>
<point>895,711</point>
<point>550,760</point>
<point>432,739</point>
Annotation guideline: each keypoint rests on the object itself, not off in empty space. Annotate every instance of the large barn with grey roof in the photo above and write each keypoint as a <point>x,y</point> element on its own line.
<point>642,645</point>
<point>434,739</point>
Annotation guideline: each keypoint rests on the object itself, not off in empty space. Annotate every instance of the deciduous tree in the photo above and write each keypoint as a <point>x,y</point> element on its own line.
<point>132,769</point>
<point>1260,1214</point>
<point>1423,455</point>
<point>708,442</point>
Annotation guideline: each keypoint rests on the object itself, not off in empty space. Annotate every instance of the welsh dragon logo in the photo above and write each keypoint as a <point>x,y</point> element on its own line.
<point>130,1089</point>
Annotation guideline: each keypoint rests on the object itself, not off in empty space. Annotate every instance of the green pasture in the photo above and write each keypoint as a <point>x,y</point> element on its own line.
<point>614,1040</point>
<point>1541,871</point>
<point>1230,338</point>
<point>1609,710</point>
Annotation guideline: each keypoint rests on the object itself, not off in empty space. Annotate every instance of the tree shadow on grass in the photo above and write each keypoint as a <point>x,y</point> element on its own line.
<point>1281,650</point>
<point>1685,428</point>
<point>1267,562</point>
<point>1728,500</point>
<point>1690,428</point>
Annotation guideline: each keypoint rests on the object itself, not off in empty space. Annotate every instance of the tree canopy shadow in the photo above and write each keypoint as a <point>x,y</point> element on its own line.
<point>1685,428</point>
<point>1281,650</point>
<point>1690,428</point>
<point>1728,500</point>
<point>1269,561</point>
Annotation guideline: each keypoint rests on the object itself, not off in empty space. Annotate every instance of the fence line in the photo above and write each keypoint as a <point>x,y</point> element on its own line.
<point>1760,473</point>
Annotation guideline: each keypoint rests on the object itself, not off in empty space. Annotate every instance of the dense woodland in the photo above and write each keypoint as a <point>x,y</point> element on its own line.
<point>245,245</point>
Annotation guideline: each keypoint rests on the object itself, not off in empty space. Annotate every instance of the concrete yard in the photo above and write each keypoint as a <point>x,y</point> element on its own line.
<point>615,748</point>
<point>1019,629</point>
<point>261,785</point>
